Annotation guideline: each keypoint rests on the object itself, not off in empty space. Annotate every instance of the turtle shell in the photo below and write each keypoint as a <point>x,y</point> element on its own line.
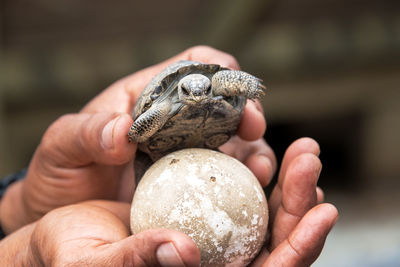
<point>208,125</point>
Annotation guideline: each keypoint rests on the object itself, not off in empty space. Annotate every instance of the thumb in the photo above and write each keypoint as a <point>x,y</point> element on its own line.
<point>158,247</point>
<point>79,139</point>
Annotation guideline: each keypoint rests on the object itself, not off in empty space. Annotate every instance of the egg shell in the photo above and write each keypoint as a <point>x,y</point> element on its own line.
<point>211,197</point>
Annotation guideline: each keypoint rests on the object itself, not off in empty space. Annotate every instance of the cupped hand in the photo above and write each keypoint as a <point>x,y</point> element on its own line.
<point>299,223</point>
<point>87,155</point>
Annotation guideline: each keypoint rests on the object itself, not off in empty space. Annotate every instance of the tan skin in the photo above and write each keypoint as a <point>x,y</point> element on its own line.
<point>80,159</point>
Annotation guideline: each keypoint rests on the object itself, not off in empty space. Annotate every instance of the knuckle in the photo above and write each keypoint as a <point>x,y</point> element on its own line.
<point>57,125</point>
<point>53,131</point>
<point>120,158</point>
<point>131,258</point>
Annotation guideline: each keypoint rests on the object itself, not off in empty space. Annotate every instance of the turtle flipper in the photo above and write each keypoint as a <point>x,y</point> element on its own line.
<point>150,122</point>
<point>237,83</point>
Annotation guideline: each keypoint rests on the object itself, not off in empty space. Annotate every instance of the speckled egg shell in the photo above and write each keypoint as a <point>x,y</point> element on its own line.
<point>211,197</point>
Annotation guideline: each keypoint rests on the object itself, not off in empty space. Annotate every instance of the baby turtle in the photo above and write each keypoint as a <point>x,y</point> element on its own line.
<point>191,104</point>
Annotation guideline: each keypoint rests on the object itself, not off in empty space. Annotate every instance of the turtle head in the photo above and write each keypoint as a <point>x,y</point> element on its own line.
<point>194,88</point>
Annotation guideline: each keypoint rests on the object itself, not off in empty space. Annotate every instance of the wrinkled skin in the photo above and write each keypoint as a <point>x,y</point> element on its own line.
<point>87,156</point>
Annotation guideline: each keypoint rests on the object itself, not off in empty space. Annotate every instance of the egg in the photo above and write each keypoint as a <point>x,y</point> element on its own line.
<point>211,197</point>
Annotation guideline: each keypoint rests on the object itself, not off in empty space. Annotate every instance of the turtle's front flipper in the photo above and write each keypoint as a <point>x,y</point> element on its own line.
<point>237,83</point>
<point>150,121</point>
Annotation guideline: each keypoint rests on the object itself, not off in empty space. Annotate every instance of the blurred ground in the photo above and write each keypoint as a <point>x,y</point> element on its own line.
<point>331,67</point>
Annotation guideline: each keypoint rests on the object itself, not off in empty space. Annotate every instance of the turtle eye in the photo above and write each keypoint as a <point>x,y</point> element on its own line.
<point>208,90</point>
<point>184,90</point>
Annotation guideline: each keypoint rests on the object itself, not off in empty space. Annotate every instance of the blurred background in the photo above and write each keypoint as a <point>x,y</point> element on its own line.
<point>332,69</point>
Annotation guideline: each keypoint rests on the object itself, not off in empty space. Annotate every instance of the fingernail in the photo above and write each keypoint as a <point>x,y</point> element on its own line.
<point>168,256</point>
<point>107,136</point>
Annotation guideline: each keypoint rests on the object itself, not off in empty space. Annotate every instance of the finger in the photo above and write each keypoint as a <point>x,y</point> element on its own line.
<point>148,248</point>
<point>80,139</point>
<point>300,146</point>
<point>152,248</point>
<point>298,195</point>
<point>320,195</point>
<point>91,234</point>
<point>261,258</point>
<point>305,243</point>
<point>256,155</point>
<point>262,167</point>
<point>252,124</point>
<point>204,54</point>
<point>120,209</point>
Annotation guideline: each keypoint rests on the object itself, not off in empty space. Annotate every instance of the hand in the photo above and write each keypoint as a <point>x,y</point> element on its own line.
<point>298,224</point>
<point>87,155</point>
<point>96,232</point>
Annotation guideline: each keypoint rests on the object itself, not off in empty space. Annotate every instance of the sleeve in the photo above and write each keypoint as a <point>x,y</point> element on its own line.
<point>5,183</point>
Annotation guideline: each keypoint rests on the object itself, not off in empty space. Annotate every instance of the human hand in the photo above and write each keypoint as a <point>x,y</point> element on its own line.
<point>298,224</point>
<point>87,155</point>
<point>95,233</point>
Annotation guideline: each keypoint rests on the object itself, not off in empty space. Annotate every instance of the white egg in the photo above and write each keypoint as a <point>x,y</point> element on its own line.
<point>211,197</point>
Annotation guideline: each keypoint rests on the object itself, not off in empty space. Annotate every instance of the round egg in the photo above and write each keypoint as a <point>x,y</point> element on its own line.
<point>211,197</point>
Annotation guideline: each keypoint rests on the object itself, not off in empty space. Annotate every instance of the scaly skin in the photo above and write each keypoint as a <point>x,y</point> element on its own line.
<point>150,122</point>
<point>223,83</point>
<point>237,83</point>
